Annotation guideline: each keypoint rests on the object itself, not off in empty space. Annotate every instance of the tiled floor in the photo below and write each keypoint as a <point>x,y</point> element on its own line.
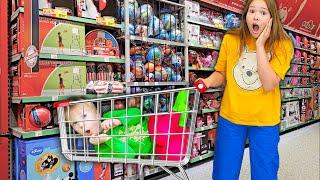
<point>299,158</point>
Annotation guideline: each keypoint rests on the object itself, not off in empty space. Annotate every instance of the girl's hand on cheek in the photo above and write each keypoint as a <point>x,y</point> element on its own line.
<point>264,34</point>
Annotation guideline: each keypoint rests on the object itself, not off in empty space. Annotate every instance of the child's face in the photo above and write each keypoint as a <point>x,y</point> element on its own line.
<point>257,17</point>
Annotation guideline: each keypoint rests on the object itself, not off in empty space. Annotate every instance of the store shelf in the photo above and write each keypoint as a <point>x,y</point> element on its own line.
<point>315,68</point>
<point>206,25</point>
<point>69,18</point>
<point>209,110</point>
<point>38,99</point>
<point>202,69</point>
<point>300,63</point>
<point>199,46</point>
<point>156,41</point>
<point>301,32</point>
<point>81,58</point>
<point>18,132</point>
<point>300,125</point>
<point>156,83</point>
<point>290,87</point>
<point>199,158</point>
<point>314,53</point>
<point>215,3</point>
<point>214,90</point>
<point>299,75</point>
<point>289,99</point>
<point>205,128</point>
<point>303,49</point>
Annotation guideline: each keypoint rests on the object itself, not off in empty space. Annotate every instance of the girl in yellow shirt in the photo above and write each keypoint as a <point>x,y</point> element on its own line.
<point>252,61</point>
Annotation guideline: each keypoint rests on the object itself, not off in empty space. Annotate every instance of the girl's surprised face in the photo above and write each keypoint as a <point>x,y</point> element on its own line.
<point>257,17</point>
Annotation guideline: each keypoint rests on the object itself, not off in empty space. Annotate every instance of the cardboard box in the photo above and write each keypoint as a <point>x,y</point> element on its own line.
<point>41,159</point>
<point>193,10</point>
<point>93,171</point>
<point>290,112</point>
<point>56,36</point>
<point>194,34</point>
<point>95,8</point>
<point>53,78</point>
<point>65,4</point>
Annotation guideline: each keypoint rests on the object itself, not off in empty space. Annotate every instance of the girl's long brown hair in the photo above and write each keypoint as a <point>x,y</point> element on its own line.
<point>277,33</point>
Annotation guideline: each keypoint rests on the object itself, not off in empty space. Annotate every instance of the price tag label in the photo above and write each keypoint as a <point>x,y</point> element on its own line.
<point>106,21</point>
<point>37,133</point>
<point>136,84</point>
<point>55,98</point>
<point>156,83</point>
<point>210,46</point>
<point>55,13</point>
<point>54,56</point>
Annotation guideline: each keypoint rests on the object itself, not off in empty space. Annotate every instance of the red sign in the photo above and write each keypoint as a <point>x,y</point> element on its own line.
<point>238,4</point>
<point>301,15</point>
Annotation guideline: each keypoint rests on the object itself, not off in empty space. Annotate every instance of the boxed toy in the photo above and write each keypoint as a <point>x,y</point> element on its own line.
<point>96,8</point>
<point>291,113</point>
<point>53,78</point>
<point>93,171</point>
<point>101,43</point>
<point>34,117</point>
<point>67,5</point>
<point>56,36</point>
<point>41,159</point>
<point>194,34</point>
<point>131,171</point>
<point>193,10</point>
<point>117,171</point>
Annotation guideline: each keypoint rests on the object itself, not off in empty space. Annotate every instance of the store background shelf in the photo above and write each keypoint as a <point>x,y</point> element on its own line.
<point>203,24</point>
<point>156,83</point>
<point>200,129</point>
<point>203,111</point>
<point>299,75</point>
<point>70,18</point>
<point>18,132</point>
<point>81,58</point>
<point>155,41</point>
<point>202,69</point>
<point>214,90</point>
<point>37,99</point>
<point>300,125</point>
<point>289,87</point>
<point>199,46</point>
<point>300,63</point>
<point>202,157</point>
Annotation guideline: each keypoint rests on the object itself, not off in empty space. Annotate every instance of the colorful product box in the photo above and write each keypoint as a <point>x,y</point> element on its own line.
<point>290,112</point>
<point>93,171</point>
<point>56,36</point>
<point>193,9</point>
<point>68,5</point>
<point>53,78</point>
<point>194,34</point>
<point>41,159</point>
<point>96,8</point>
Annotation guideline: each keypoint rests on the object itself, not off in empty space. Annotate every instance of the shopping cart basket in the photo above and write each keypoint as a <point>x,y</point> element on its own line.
<point>154,128</point>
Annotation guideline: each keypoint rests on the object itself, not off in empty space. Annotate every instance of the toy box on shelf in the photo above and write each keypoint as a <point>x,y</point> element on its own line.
<point>290,113</point>
<point>193,10</point>
<point>98,171</point>
<point>68,6</point>
<point>56,36</point>
<point>101,43</point>
<point>315,102</point>
<point>96,8</point>
<point>52,79</point>
<point>305,110</point>
<point>41,159</point>
<point>36,116</point>
<point>194,34</point>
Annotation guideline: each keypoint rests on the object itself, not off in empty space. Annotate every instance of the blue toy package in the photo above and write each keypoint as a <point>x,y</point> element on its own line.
<point>41,159</point>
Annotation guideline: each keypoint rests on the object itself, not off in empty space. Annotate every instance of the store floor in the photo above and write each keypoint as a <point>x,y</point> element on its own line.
<point>299,158</point>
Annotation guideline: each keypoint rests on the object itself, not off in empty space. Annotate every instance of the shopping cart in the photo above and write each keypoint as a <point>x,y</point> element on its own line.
<point>154,128</point>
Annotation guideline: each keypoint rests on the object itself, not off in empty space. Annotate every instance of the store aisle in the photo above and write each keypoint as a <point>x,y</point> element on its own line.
<point>299,158</point>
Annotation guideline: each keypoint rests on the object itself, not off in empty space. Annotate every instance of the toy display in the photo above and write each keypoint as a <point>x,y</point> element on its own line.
<point>290,113</point>
<point>305,110</point>
<point>96,8</point>
<point>132,10</point>
<point>68,6</point>
<point>211,139</point>
<point>53,78</point>
<point>169,21</point>
<point>193,10</point>
<point>298,41</point>
<point>101,43</point>
<point>194,34</point>
<point>231,21</point>
<point>305,42</point>
<point>56,36</point>
<point>40,159</point>
<point>33,117</point>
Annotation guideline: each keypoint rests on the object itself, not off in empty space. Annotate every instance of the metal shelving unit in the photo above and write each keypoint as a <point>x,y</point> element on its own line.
<point>18,132</point>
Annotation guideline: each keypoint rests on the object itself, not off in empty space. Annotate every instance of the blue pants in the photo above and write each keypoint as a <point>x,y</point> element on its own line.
<point>229,148</point>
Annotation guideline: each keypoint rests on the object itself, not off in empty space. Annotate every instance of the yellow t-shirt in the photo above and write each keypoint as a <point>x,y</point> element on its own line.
<point>244,101</point>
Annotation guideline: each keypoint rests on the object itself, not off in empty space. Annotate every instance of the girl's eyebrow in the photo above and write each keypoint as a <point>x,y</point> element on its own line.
<point>258,7</point>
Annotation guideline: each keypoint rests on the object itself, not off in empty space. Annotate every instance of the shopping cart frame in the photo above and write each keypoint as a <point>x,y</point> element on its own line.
<point>64,127</point>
